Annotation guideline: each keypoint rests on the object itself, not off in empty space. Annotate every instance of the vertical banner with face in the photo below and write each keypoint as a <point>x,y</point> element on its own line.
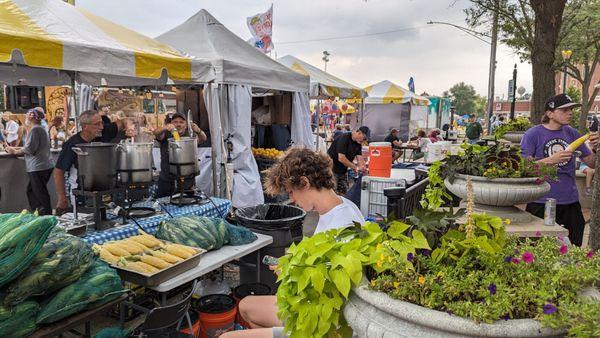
<point>261,28</point>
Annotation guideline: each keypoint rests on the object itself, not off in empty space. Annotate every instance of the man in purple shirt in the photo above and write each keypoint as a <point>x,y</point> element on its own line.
<point>547,143</point>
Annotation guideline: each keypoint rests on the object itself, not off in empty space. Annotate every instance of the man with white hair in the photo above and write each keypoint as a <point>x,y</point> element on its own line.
<point>94,128</point>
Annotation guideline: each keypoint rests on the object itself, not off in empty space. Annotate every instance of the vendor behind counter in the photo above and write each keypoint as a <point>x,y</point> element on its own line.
<point>94,128</point>
<point>166,181</point>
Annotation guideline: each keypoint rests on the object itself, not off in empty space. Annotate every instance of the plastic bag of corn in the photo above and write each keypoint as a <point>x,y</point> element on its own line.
<point>99,285</point>
<point>18,321</point>
<point>62,260</point>
<point>21,238</point>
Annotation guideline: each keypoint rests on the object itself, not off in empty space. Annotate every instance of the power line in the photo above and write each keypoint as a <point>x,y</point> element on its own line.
<point>353,36</point>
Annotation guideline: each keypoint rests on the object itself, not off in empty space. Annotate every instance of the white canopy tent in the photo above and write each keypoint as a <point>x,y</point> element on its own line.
<point>49,42</point>
<point>389,106</point>
<point>239,68</point>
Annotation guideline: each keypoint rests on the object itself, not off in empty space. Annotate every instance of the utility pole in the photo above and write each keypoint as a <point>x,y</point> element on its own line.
<point>513,90</point>
<point>492,75</point>
<point>326,58</point>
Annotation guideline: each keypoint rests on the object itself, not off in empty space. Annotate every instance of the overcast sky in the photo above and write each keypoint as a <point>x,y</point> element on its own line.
<point>437,56</point>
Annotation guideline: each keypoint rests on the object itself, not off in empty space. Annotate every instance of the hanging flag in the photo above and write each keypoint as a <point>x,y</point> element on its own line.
<point>261,28</point>
<point>411,84</point>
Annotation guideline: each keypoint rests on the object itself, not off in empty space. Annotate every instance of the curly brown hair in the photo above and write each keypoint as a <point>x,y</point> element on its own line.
<point>296,163</point>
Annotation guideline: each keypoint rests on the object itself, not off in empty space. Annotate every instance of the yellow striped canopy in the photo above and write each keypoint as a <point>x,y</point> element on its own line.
<point>322,85</point>
<point>52,34</point>
<point>386,92</point>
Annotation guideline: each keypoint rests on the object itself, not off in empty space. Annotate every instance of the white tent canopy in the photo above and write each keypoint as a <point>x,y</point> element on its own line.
<point>386,92</point>
<point>49,42</point>
<point>235,61</point>
<point>322,85</point>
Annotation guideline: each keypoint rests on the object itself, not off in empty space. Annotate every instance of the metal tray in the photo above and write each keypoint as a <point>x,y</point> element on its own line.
<point>161,276</point>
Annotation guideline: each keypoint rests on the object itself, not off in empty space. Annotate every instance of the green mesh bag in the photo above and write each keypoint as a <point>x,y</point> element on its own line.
<point>21,238</point>
<point>99,285</point>
<point>62,260</point>
<point>18,321</point>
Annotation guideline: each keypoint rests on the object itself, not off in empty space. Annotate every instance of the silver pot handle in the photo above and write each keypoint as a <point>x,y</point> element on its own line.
<point>174,145</point>
<point>79,152</point>
<point>120,147</point>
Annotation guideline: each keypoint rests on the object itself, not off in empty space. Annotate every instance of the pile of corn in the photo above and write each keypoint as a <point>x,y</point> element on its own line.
<point>143,253</point>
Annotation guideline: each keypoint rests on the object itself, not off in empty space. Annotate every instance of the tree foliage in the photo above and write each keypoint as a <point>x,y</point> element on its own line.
<point>464,98</point>
<point>580,35</point>
<point>531,28</point>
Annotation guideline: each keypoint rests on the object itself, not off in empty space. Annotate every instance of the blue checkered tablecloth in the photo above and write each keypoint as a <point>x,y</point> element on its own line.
<point>150,224</point>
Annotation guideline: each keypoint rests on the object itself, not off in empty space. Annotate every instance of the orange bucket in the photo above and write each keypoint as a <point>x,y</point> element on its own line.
<point>194,318</point>
<point>380,159</point>
<point>217,315</point>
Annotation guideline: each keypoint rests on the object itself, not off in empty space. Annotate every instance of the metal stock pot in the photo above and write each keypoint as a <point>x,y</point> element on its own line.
<point>97,165</point>
<point>183,156</point>
<point>135,162</point>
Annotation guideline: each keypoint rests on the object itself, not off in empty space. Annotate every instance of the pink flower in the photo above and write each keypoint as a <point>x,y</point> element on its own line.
<point>528,257</point>
<point>538,234</point>
<point>590,254</point>
<point>564,249</point>
<point>516,260</point>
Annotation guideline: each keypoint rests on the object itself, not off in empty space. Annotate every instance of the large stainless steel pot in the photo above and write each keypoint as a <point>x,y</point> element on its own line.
<point>183,156</point>
<point>97,165</point>
<point>134,162</point>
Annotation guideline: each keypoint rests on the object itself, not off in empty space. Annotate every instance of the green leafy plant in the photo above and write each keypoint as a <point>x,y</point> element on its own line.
<point>520,124</point>
<point>318,273</point>
<point>538,279</point>
<point>434,223</point>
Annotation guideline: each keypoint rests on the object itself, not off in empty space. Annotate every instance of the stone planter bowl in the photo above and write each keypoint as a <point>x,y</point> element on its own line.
<point>514,136</point>
<point>499,192</point>
<point>375,314</point>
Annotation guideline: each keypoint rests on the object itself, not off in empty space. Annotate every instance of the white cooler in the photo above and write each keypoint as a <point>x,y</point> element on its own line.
<point>372,200</point>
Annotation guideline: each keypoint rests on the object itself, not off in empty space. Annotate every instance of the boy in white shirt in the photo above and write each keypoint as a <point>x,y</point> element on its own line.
<point>307,177</point>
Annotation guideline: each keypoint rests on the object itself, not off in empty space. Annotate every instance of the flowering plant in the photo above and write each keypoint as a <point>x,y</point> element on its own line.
<point>519,124</point>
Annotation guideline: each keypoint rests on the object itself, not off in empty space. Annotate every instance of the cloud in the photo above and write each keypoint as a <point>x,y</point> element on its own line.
<point>437,56</point>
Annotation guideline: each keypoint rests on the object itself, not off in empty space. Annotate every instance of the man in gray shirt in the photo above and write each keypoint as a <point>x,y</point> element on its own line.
<point>37,162</point>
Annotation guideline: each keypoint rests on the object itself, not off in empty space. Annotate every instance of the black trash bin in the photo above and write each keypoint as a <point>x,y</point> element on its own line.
<point>283,223</point>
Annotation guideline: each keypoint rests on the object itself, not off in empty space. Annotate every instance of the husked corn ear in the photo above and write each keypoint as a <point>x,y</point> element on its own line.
<point>146,240</point>
<point>190,250</point>
<point>155,261</point>
<point>133,246</point>
<point>106,256</point>
<point>116,250</point>
<point>167,257</point>
<point>176,250</point>
<point>142,267</point>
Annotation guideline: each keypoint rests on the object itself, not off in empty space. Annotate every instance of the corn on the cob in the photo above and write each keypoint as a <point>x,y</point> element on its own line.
<point>178,251</point>
<point>116,250</point>
<point>141,267</point>
<point>146,240</point>
<point>133,246</point>
<point>106,256</point>
<point>167,257</point>
<point>155,261</point>
<point>578,142</point>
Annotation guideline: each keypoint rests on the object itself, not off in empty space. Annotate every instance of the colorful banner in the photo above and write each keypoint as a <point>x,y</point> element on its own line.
<point>56,101</point>
<point>261,28</point>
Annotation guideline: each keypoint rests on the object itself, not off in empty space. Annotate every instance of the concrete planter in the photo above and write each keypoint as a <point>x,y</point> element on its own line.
<point>375,314</point>
<point>498,196</point>
<point>514,136</point>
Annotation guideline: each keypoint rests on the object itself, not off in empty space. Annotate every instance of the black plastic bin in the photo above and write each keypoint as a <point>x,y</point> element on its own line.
<point>283,223</point>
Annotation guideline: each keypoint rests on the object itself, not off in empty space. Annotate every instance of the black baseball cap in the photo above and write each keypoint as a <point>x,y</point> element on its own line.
<point>179,115</point>
<point>560,101</point>
<point>366,131</point>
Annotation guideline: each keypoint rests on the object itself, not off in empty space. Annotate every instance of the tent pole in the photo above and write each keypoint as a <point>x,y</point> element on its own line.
<point>156,103</point>
<point>208,90</point>
<point>318,112</point>
<point>362,111</point>
<point>75,101</point>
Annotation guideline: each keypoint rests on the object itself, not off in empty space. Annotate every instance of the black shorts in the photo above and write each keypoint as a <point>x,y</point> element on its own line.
<point>567,215</point>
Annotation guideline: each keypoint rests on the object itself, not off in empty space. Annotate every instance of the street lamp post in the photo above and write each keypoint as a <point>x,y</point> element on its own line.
<point>566,54</point>
<point>326,58</point>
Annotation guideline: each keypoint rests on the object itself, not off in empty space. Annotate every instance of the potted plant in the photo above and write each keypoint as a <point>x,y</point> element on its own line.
<point>501,179</point>
<point>514,130</point>
<point>475,281</point>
